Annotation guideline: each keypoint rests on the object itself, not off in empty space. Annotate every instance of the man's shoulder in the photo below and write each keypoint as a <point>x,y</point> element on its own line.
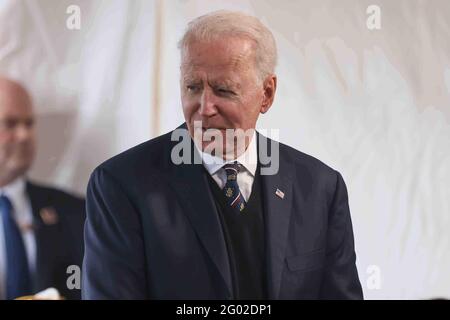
<point>51,192</point>
<point>299,158</point>
<point>153,154</point>
<point>302,161</point>
<point>309,171</point>
<point>69,205</point>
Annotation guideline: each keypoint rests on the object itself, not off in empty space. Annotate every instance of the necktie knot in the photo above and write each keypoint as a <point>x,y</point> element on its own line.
<point>232,193</point>
<point>232,170</point>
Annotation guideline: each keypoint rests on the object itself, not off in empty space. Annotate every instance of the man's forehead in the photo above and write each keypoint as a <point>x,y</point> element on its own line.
<point>16,113</point>
<point>235,62</point>
<point>229,73</point>
<point>230,52</point>
<point>15,105</point>
<point>227,80</point>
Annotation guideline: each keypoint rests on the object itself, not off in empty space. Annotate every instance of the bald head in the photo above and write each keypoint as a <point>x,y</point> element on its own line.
<point>13,92</point>
<point>17,136</point>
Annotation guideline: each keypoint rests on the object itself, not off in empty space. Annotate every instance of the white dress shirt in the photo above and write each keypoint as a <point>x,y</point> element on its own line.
<point>22,212</point>
<point>245,178</point>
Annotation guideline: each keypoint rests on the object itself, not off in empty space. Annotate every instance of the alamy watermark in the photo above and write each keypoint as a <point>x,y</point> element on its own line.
<point>74,277</point>
<point>373,21</point>
<point>373,281</point>
<point>73,21</point>
<point>225,144</point>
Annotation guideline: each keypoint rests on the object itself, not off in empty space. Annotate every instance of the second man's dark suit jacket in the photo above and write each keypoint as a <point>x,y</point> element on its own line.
<point>58,221</point>
<point>153,232</point>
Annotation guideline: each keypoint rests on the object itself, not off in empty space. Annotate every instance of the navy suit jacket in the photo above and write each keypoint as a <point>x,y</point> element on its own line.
<point>58,220</point>
<point>152,230</point>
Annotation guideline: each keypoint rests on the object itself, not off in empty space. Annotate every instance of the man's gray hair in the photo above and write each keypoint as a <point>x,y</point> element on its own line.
<point>222,23</point>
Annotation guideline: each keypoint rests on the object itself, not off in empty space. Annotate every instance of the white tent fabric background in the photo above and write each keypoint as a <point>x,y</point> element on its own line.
<point>373,104</point>
<point>92,87</point>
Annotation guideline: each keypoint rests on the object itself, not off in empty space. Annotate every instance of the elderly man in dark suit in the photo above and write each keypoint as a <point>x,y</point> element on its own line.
<point>41,228</point>
<point>162,224</point>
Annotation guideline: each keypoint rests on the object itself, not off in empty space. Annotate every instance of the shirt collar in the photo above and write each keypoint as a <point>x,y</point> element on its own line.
<point>248,159</point>
<point>15,191</point>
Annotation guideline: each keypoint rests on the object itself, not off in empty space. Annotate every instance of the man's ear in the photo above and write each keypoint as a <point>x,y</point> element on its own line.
<point>270,86</point>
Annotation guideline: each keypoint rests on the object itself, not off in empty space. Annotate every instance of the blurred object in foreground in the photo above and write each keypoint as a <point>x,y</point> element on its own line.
<point>47,294</point>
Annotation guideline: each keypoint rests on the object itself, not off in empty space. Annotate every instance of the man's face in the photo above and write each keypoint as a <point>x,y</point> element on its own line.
<point>17,135</point>
<point>220,88</point>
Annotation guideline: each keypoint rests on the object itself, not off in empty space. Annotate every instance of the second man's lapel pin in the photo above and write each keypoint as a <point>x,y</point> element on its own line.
<point>49,216</point>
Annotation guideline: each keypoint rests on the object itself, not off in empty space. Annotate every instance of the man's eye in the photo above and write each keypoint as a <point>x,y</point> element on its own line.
<point>192,88</point>
<point>225,91</point>
<point>29,123</point>
<point>10,123</point>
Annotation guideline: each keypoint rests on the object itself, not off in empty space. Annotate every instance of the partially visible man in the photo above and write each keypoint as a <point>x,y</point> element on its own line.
<point>41,228</point>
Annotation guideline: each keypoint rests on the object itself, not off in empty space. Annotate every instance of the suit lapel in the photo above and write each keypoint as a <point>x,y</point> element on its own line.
<point>46,237</point>
<point>191,185</point>
<point>277,209</point>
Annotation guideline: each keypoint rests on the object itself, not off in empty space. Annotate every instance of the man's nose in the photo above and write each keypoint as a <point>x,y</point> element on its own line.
<point>23,132</point>
<point>207,103</point>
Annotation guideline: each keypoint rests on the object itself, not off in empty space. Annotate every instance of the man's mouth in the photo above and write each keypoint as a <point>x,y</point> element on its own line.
<point>212,128</point>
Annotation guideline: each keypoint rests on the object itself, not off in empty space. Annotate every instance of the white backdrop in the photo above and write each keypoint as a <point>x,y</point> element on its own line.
<point>373,104</point>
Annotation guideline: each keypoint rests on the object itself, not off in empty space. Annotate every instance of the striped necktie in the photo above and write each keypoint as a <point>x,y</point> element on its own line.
<point>18,281</point>
<point>231,189</point>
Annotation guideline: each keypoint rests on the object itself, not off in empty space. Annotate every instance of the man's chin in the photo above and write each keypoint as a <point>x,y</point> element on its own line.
<point>221,151</point>
<point>19,169</point>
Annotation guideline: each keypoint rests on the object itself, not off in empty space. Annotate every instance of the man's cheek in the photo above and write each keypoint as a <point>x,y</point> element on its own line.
<point>4,157</point>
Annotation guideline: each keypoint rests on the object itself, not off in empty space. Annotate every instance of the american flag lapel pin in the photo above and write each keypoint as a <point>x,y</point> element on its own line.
<point>279,193</point>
